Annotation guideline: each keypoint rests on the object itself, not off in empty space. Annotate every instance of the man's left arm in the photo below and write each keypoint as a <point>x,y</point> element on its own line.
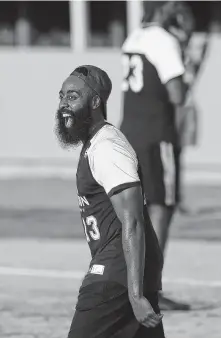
<point>128,205</point>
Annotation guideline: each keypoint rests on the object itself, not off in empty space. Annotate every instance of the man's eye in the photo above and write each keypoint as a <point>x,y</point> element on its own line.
<point>72,97</point>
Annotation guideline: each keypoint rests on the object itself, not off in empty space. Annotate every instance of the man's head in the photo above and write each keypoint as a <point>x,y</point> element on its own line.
<point>184,23</point>
<point>151,9</point>
<point>83,99</point>
<point>166,13</point>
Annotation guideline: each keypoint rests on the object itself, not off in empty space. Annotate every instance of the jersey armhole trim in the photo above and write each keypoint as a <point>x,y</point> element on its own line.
<point>122,187</point>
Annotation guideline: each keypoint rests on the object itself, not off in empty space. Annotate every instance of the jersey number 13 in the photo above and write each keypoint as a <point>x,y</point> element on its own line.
<point>91,228</point>
<point>132,73</point>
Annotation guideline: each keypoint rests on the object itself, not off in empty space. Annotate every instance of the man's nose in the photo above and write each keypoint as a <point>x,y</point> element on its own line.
<point>64,103</point>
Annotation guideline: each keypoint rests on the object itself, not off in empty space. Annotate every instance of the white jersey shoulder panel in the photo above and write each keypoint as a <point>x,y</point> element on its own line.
<point>112,160</point>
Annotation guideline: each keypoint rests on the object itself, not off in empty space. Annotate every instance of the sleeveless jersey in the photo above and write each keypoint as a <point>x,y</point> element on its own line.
<point>151,57</point>
<point>107,165</point>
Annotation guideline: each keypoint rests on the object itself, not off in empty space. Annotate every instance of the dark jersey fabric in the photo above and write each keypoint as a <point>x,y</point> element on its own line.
<point>148,116</point>
<point>106,245</point>
<point>104,311</point>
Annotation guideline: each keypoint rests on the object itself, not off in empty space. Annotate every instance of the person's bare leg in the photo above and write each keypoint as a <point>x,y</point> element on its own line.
<point>161,217</point>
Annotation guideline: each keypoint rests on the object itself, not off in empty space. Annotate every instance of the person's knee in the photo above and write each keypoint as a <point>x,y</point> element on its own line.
<point>161,217</point>
<point>162,213</point>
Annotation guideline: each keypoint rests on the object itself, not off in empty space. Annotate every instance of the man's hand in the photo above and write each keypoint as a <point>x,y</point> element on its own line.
<point>144,312</point>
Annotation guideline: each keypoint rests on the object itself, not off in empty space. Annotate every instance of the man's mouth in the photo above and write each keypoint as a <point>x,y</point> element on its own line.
<point>68,119</point>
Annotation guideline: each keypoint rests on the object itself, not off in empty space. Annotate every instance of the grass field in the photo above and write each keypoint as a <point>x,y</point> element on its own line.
<point>43,258</point>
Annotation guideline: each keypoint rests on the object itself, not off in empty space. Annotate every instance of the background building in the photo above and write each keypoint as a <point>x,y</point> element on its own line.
<point>41,42</point>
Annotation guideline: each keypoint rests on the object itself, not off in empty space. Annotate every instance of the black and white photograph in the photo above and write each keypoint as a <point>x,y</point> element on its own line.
<point>110,169</point>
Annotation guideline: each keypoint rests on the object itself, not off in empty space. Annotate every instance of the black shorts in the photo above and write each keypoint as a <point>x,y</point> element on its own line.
<point>103,310</point>
<point>159,172</point>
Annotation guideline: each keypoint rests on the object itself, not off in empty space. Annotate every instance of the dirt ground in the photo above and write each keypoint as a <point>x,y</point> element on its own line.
<point>43,258</point>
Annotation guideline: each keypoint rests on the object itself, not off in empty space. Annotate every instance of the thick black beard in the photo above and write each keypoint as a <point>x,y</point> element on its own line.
<point>76,135</point>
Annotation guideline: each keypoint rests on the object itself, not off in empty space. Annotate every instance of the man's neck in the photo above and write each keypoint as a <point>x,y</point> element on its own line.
<point>95,127</point>
<point>96,124</point>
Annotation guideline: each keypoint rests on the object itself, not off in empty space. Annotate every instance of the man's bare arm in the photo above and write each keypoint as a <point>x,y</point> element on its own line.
<point>128,205</point>
<point>177,92</point>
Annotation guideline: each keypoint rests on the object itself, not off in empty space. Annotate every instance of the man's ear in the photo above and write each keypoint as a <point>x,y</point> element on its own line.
<point>96,102</point>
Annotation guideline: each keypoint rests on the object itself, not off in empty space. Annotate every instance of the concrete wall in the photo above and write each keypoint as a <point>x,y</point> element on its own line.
<point>29,84</point>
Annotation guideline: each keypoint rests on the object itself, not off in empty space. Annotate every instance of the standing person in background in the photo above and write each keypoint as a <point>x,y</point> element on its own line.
<point>154,93</point>
<point>183,28</point>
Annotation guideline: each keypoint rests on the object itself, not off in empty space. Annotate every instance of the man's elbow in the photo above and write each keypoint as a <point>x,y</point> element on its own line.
<point>178,100</point>
<point>134,228</point>
<point>176,91</point>
<point>177,97</point>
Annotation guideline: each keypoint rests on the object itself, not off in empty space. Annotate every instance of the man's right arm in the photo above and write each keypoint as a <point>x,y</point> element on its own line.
<point>169,64</point>
<point>177,92</point>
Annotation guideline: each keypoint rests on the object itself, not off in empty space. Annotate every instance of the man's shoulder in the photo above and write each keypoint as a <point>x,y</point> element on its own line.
<point>158,31</point>
<point>148,41</point>
<point>109,141</point>
<point>158,36</point>
<point>131,39</point>
<point>107,136</point>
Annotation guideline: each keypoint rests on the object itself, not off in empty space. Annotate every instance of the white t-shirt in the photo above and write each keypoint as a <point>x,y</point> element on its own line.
<point>160,47</point>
